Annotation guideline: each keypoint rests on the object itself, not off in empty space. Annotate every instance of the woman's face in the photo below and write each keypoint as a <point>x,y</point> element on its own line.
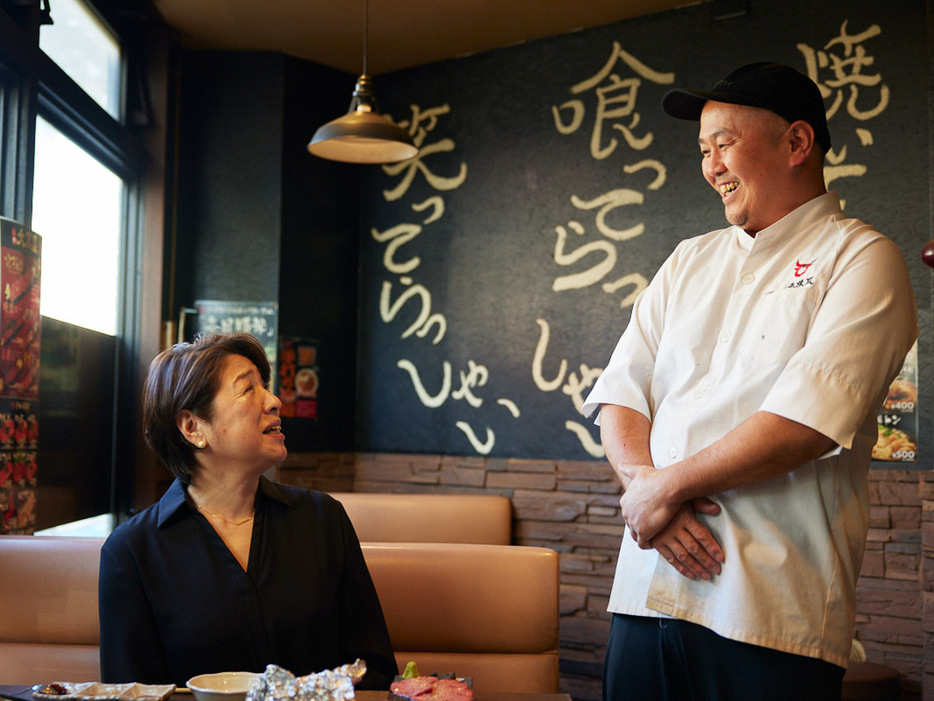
<point>246,429</point>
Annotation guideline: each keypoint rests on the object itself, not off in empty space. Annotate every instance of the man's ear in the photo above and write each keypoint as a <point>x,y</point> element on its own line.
<point>801,138</point>
<point>190,427</point>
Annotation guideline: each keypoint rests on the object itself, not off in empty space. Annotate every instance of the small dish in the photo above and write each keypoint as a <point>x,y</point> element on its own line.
<point>222,686</point>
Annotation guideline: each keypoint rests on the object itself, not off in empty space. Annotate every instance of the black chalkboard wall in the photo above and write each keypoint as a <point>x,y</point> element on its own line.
<point>496,268</point>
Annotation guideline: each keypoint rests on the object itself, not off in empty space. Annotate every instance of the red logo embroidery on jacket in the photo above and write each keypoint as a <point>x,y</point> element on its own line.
<point>802,268</point>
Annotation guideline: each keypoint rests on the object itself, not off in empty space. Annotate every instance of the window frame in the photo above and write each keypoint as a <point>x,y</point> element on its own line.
<point>32,84</point>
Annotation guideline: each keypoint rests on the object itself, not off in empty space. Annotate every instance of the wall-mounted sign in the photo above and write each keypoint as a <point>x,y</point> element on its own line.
<point>20,335</point>
<point>298,378</point>
<point>260,319</point>
<point>898,420</point>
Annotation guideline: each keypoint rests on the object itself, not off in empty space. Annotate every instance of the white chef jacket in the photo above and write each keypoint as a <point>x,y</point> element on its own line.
<point>810,320</point>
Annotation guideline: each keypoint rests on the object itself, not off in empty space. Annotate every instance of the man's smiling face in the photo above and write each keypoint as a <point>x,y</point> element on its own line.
<point>745,162</point>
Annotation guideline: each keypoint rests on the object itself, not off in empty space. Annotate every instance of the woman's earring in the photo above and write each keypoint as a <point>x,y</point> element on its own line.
<point>201,443</point>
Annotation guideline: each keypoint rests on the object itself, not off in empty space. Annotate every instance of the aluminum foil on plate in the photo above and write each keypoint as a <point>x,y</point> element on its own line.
<point>277,684</point>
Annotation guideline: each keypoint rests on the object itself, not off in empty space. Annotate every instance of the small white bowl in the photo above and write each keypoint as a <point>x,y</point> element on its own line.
<point>222,686</point>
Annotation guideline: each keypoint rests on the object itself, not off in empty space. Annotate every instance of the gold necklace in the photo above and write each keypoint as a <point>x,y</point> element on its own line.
<point>232,523</point>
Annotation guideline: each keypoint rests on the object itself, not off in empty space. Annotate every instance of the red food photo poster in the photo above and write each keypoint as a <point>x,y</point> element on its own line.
<point>20,335</point>
<point>298,378</point>
<point>20,322</point>
<point>19,442</point>
<point>898,420</point>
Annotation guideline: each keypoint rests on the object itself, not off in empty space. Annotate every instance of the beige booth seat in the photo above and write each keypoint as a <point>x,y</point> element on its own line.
<point>429,518</point>
<point>485,611</point>
<point>48,609</point>
<point>489,612</point>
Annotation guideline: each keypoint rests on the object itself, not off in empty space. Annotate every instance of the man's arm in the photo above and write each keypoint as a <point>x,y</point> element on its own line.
<point>684,542</point>
<point>764,446</point>
<point>625,436</point>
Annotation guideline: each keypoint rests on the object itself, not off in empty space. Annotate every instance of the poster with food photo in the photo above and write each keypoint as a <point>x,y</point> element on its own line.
<point>898,420</point>
<point>19,442</point>
<point>20,323</point>
<point>298,378</point>
<point>20,338</point>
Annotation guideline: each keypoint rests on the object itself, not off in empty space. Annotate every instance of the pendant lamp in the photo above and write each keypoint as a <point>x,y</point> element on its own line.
<point>363,135</point>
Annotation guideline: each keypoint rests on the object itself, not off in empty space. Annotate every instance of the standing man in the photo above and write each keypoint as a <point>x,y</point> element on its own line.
<point>739,413</point>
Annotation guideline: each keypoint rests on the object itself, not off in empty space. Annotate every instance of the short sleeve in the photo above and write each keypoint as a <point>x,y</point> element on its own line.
<point>859,336</point>
<point>627,379</point>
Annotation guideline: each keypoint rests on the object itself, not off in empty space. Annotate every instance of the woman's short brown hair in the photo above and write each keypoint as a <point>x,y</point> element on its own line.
<point>187,376</point>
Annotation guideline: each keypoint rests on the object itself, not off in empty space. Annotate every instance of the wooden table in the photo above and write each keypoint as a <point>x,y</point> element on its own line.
<point>477,695</point>
<point>360,695</point>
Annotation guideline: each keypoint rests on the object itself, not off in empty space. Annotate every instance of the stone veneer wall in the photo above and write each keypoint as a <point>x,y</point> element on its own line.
<point>572,507</point>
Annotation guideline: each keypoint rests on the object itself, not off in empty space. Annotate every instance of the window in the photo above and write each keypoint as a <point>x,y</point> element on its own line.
<point>71,170</point>
<point>85,48</point>
<point>79,207</point>
<point>77,210</point>
<point>75,145</point>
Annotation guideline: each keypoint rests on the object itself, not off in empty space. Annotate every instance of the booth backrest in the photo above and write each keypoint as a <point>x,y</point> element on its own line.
<point>489,612</point>
<point>429,518</point>
<point>49,627</point>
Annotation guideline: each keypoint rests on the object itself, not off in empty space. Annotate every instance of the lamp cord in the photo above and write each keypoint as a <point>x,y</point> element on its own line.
<point>366,30</point>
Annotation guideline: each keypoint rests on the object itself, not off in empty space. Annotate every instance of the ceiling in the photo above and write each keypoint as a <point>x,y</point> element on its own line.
<point>402,33</point>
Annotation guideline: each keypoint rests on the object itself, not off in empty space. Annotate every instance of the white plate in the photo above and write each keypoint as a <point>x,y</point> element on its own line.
<point>95,691</point>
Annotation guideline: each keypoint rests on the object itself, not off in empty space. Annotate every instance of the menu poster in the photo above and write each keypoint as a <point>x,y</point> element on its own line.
<point>20,322</point>
<point>19,443</point>
<point>298,378</point>
<point>20,335</point>
<point>261,319</point>
<point>898,420</point>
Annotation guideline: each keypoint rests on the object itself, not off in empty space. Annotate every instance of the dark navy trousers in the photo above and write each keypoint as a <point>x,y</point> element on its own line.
<point>656,659</point>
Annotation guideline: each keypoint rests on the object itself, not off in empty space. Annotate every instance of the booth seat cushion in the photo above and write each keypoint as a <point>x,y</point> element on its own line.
<point>48,608</point>
<point>485,611</point>
<point>30,663</point>
<point>466,598</point>
<point>49,590</point>
<point>429,518</point>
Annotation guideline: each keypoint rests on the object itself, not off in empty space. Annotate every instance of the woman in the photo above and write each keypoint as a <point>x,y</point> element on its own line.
<point>228,571</point>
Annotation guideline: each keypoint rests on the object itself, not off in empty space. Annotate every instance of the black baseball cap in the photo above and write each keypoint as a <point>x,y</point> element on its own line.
<point>778,88</point>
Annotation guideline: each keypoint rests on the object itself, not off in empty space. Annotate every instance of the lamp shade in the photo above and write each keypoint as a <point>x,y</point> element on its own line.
<point>363,135</point>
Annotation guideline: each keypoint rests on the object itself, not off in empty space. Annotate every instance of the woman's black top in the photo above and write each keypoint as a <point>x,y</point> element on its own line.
<point>175,603</point>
